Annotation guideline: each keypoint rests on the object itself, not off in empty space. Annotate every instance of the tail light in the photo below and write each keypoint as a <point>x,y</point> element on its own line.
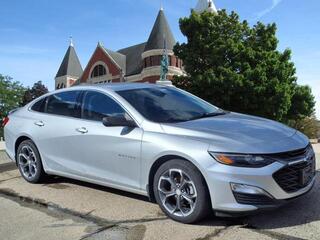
<point>5,121</point>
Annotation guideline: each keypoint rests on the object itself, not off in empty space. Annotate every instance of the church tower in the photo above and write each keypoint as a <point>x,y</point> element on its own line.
<point>205,5</point>
<point>161,39</point>
<point>70,69</point>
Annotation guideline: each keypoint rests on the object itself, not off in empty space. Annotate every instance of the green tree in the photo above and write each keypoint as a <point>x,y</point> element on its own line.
<point>302,103</point>
<point>11,93</point>
<point>310,126</point>
<point>238,67</point>
<point>36,91</point>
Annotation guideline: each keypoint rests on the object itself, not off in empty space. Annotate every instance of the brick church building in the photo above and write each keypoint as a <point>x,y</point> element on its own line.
<point>138,63</point>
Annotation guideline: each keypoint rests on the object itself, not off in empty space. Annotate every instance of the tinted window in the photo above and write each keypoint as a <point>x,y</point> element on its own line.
<point>97,106</point>
<point>167,104</point>
<point>64,103</point>
<point>39,105</point>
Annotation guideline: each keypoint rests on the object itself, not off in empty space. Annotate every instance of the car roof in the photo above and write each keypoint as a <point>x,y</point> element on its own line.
<point>122,86</point>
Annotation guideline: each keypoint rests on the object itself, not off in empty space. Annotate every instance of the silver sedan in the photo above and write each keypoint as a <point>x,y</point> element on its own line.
<point>184,153</point>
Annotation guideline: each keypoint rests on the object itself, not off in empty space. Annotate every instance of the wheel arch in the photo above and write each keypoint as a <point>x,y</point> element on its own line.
<point>155,166</point>
<point>19,140</point>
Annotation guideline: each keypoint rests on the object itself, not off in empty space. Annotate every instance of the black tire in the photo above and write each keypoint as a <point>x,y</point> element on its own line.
<point>202,205</point>
<point>40,174</point>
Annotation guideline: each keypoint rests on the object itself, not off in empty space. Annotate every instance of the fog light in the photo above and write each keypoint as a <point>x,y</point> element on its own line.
<point>247,189</point>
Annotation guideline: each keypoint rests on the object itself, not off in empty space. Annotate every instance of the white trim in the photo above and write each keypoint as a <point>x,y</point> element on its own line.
<point>96,64</point>
<point>133,78</point>
<point>155,52</point>
<point>155,71</point>
<point>111,58</point>
<point>103,78</point>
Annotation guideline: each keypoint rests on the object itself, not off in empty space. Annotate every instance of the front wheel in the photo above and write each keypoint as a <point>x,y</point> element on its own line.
<point>181,192</point>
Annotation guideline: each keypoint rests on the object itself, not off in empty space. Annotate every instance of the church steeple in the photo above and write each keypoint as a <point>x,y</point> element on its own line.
<point>70,64</point>
<point>205,5</point>
<point>70,69</point>
<point>160,32</point>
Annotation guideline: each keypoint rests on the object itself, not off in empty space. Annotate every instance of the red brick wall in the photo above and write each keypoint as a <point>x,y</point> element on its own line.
<point>71,82</point>
<point>100,55</point>
<point>155,61</point>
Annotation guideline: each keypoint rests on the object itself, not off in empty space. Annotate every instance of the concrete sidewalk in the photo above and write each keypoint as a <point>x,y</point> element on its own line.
<point>316,148</point>
<point>2,146</point>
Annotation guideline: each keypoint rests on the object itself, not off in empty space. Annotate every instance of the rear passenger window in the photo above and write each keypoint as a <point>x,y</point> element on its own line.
<point>97,106</point>
<point>39,106</point>
<point>64,103</point>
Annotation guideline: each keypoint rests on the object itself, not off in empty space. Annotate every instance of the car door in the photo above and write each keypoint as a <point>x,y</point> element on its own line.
<point>56,135</point>
<point>109,154</point>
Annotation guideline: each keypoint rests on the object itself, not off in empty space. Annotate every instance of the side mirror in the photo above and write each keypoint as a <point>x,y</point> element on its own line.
<point>119,120</point>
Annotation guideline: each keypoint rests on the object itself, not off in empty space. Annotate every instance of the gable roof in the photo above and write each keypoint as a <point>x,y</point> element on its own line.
<point>160,32</point>
<point>118,58</point>
<point>133,58</point>
<point>130,59</point>
<point>70,65</point>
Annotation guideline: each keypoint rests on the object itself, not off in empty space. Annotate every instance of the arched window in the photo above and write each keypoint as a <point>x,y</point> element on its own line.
<point>98,71</point>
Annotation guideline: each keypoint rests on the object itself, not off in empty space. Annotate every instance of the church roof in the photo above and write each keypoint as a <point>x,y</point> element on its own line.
<point>70,65</point>
<point>133,58</point>
<point>119,58</point>
<point>128,59</point>
<point>161,31</point>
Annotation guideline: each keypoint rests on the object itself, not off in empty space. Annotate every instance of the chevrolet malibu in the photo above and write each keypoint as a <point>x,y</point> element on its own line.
<point>182,152</point>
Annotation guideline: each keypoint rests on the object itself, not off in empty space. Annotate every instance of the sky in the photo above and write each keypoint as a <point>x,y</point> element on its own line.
<point>34,34</point>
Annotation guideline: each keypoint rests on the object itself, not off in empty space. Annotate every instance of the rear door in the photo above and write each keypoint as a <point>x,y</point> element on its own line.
<point>57,136</point>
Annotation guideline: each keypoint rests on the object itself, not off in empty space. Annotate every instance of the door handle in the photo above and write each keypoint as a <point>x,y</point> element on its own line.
<point>39,123</point>
<point>82,130</point>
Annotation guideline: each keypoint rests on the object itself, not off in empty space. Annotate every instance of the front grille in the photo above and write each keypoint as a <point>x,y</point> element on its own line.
<point>253,199</point>
<point>294,177</point>
<point>292,155</point>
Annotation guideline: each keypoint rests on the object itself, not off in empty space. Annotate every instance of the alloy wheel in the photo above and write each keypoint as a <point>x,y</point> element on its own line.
<point>27,162</point>
<point>177,192</point>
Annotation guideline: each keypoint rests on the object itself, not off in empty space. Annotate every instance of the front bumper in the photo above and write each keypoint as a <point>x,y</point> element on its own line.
<point>226,202</point>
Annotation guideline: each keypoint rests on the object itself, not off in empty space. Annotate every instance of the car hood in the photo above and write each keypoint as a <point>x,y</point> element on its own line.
<point>240,133</point>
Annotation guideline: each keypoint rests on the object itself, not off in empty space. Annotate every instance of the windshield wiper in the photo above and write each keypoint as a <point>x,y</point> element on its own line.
<point>207,115</point>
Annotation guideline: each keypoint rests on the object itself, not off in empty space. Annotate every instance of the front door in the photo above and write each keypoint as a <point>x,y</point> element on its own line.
<point>108,154</point>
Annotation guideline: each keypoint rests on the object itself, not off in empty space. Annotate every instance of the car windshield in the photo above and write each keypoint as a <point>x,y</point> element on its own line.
<point>168,104</point>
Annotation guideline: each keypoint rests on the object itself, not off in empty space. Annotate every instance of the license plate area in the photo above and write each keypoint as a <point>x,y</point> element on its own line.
<point>307,174</point>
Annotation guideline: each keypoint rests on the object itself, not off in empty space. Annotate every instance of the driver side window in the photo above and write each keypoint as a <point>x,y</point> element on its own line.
<point>97,105</point>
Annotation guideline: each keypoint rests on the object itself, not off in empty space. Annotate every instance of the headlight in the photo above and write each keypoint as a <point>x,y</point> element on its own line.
<point>242,160</point>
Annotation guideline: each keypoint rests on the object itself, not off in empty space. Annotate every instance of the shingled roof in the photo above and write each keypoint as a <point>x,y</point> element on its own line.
<point>133,58</point>
<point>161,30</point>
<point>120,59</point>
<point>70,65</point>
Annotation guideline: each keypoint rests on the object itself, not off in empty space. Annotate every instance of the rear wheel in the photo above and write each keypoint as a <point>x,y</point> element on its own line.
<point>181,192</point>
<point>29,162</point>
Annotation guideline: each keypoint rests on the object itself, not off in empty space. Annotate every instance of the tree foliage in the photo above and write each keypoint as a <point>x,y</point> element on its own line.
<point>310,126</point>
<point>11,93</point>
<point>238,67</point>
<point>36,91</point>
